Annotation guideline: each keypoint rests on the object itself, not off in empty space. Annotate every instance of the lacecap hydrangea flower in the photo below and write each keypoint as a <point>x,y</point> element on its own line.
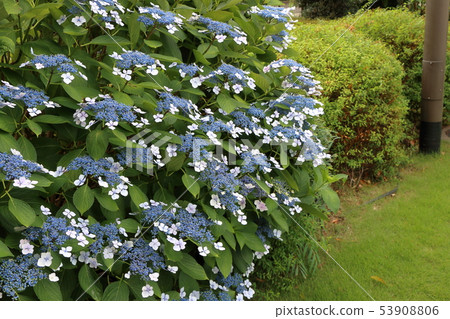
<point>34,101</point>
<point>59,63</point>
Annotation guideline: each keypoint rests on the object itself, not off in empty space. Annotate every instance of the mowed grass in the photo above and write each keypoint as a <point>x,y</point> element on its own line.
<point>403,240</point>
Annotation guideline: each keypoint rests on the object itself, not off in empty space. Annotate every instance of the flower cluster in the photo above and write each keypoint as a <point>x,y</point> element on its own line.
<point>108,10</point>
<point>33,100</point>
<point>186,69</point>
<point>19,170</point>
<point>105,170</point>
<point>304,81</point>
<point>187,223</point>
<point>18,274</point>
<point>174,104</point>
<point>127,62</point>
<point>228,76</point>
<point>108,110</point>
<point>220,29</point>
<point>279,14</point>
<point>60,63</point>
<point>281,40</point>
<point>154,16</point>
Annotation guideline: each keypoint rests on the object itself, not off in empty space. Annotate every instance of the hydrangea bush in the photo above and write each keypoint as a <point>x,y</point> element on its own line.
<point>151,150</point>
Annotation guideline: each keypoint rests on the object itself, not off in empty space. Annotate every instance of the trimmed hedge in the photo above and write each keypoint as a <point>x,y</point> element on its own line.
<point>402,31</point>
<point>363,99</point>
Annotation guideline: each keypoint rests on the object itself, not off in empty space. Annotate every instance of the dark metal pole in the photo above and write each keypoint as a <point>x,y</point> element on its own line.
<point>433,75</point>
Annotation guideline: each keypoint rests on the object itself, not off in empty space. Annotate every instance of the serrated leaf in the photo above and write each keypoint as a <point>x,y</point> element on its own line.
<point>83,198</point>
<point>87,279</point>
<point>116,291</point>
<point>191,267</point>
<point>47,290</point>
<point>22,211</point>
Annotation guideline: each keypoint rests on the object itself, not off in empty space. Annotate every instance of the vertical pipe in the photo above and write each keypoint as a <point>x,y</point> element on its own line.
<point>433,75</point>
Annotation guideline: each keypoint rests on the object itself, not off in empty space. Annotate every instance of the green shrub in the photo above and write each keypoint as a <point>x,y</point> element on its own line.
<point>363,98</point>
<point>402,31</point>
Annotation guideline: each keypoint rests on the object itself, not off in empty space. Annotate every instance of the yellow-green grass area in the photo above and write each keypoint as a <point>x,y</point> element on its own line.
<point>396,248</point>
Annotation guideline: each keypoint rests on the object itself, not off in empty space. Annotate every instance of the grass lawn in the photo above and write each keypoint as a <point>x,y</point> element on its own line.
<point>403,240</point>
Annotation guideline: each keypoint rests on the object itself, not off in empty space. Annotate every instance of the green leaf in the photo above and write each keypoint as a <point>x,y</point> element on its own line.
<point>176,163</point>
<point>83,198</point>
<point>313,210</point>
<point>190,266</point>
<point>87,279</point>
<point>110,40</point>
<point>116,291</point>
<point>188,283</point>
<point>107,202</point>
<point>208,51</point>
<point>78,93</point>
<point>42,181</point>
<point>153,44</point>
<point>130,225</point>
<point>137,195</point>
<point>200,58</point>
<point>227,103</point>
<point>97,143</point>
<point>7,142</point>
<point>34,127</point>
<point>72,29</point>
<point>51,119</point>
<point>225,261</point>
<point>289,179</point>
<point>191,184</point>
<point>27,149</point>
<point>22,211</point>
<point>218,15</point>
<point>7,123</point>
<point>134,28</point>
<point>262,81</point>
<point>47,290</point>
<point>251,240</point>
<point>4,250</point>
<point>330,198</point>
<point>11,7</point>
<point>261,184</point>
<point>280,218</point>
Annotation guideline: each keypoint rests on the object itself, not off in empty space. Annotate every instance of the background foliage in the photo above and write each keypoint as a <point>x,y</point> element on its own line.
<point>402,31</point>
<point>363,97</point>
